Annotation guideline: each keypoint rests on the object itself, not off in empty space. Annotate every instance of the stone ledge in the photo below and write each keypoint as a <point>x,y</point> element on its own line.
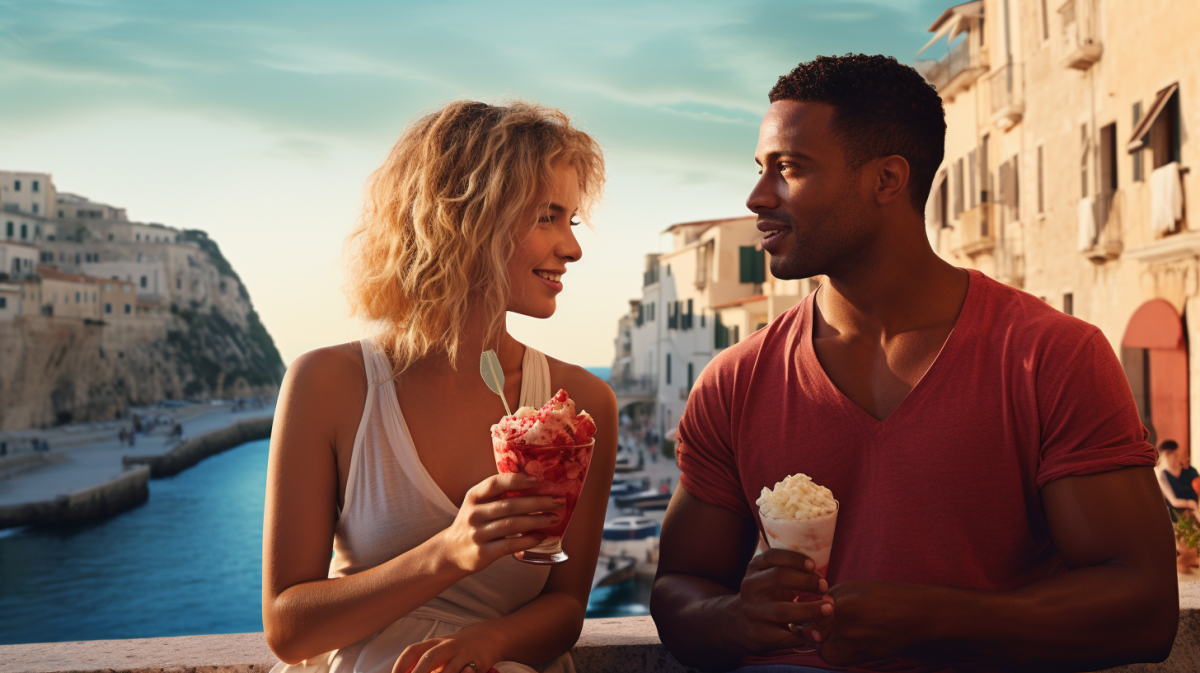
<point>627,644</point>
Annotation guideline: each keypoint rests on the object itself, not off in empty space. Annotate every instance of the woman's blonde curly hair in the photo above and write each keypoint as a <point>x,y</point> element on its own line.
<point>442,216</point>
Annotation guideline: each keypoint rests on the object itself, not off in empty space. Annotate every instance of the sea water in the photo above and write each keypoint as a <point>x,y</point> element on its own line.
<point>187,562</point>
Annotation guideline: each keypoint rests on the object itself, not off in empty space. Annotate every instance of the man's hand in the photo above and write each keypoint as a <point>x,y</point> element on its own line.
<point>873,620</point>
<point>764,604</point>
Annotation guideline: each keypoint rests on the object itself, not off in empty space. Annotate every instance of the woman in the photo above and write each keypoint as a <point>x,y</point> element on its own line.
<point>1175,476</point>
<point>381,449</point>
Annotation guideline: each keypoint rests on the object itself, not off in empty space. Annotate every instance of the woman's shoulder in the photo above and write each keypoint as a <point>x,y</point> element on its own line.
<point>336,369</point>
<point>589,391</point>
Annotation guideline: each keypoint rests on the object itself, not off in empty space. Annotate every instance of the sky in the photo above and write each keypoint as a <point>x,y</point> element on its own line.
<point>259,122</point>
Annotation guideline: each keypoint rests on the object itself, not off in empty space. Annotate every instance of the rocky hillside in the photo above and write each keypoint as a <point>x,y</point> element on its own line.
<point>194,334</point>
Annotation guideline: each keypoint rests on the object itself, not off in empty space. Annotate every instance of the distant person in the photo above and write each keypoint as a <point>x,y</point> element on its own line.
<point>381,448</point>
<point>1175,476</point>
<point>998,507</point>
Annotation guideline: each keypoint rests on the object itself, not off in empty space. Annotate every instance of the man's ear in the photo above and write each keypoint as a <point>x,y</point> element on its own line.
<point>891,176</point>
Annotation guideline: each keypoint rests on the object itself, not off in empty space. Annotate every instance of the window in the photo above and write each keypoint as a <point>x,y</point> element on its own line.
<point>24,231</point>
<point>691,376</point>
<point>1085,145</point>
<point>720,333</point>
<point>701,320</point>
<point>128,309</point>
<point>1108,158</point>
<point>1041,179</point>
<point>108,308</point>
<point>179,286</point>
<point>143,281</point>
<point>1069,303</point>
<point>8,229</point>
<point>668,369</point>
<point>110,237</point>
<point>76,297</point>
<point>76,259</point>
<point>689,317</point>
<point>16,185</point>
<point>1137,154</point>
<point>959,188</point>
<point>35,208</point>
<point>752,265</point>
<point>60,214</point>
<point>35,185</point>
<point>735,337</point>
<point>972,169</point>
<point>943,199</point>
<point>137,237</point>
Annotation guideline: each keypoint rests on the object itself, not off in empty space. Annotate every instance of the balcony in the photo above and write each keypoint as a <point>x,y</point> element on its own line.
<point>1008,96</point>
<point>956,71</point>
<point>1080,35</point>
<point>978,235</point>
<point>1106,240</point>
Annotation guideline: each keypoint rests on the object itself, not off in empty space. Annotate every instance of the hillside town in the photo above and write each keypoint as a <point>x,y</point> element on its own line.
<point>1067,168</point>
<point>98,312</point>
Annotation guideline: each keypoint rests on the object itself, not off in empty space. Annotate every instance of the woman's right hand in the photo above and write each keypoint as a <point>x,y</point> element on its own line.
<point>482,532</point>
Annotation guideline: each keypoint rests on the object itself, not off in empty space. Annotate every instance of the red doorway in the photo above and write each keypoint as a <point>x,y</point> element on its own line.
<point>1154,354</point>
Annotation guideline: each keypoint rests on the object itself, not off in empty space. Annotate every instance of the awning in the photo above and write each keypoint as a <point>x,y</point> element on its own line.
<point>954,21</point>
<point>1138,140</point>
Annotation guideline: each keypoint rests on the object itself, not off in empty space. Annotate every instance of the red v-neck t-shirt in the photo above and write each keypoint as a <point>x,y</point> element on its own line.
<point>946,490</point>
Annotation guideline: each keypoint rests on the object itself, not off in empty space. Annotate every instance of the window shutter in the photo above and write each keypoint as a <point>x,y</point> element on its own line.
<point>760,265</point>
<point>746,264</point>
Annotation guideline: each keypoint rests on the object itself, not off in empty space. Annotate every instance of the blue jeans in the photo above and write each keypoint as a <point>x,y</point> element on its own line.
<point>779,668</point>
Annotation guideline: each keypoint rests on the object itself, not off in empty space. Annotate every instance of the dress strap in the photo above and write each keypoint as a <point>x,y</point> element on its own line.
<point>535,379</point>
<point>378,369</point>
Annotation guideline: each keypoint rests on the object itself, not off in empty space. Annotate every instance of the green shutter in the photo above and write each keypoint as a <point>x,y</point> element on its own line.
<point>760,266</point>
<point>745,264</point>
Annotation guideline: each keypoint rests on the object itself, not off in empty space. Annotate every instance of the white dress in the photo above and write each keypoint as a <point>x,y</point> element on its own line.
<point>391,506</point>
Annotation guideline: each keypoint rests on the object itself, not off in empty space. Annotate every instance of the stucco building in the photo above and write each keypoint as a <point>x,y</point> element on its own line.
<point>1069,172</point>
<point>710,291</point>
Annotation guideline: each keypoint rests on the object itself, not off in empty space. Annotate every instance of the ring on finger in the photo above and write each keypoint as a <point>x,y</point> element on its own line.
<point>471,665</point>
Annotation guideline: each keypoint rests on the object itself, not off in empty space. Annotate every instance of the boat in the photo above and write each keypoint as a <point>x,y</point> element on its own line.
<point>613,570</point>
<point>652,499</point>
<point>625,487</point>
<point>630,528</point>
<point>628,460</point>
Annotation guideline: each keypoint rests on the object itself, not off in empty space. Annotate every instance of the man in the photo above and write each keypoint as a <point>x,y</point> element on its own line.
<point>997,502</point>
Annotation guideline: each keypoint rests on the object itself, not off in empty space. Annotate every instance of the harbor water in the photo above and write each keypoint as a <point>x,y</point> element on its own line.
<point>187,562</point>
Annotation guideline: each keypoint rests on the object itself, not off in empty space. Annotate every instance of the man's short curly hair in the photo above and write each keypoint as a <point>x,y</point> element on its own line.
<point>883,108</point>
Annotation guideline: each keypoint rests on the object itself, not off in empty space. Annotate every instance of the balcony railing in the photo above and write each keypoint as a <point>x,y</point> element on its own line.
<point>978,230</point>
<point>1008,95</point>
<point>1107,242</point>
<point>956,70</point>
<point>1080,37</point>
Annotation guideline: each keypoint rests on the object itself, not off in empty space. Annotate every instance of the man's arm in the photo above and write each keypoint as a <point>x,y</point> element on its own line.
<point>710,608</point>
<point>1118,604</point>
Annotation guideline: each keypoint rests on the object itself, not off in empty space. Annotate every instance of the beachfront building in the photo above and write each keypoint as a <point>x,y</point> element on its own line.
<point>17,260</point>
<point>75,207</point>
<point>67,295</point>
<point>27,192</point>
<point>10,300</point>
<point>712,289</point>
<point>1068,173</point>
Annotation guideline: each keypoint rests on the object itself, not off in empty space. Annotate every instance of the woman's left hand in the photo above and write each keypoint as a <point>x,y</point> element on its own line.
<point>452,654</point>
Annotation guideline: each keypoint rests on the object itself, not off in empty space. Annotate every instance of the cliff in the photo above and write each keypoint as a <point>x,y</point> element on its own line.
<point>193,334</point>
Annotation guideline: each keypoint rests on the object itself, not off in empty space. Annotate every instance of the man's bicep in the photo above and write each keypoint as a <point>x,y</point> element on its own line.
<point>1115,517</point>
<point>706,541</point>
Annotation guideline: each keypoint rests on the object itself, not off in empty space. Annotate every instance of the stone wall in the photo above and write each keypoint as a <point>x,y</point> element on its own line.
<point>625,645</point>
<point>197,449</point>
<point>125,492</point>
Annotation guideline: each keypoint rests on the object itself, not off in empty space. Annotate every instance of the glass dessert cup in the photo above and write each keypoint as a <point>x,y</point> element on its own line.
<point>811,537</point>
<point>562,470</point>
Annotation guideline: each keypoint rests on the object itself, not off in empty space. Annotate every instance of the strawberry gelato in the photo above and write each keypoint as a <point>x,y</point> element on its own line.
<point>553,444</point>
